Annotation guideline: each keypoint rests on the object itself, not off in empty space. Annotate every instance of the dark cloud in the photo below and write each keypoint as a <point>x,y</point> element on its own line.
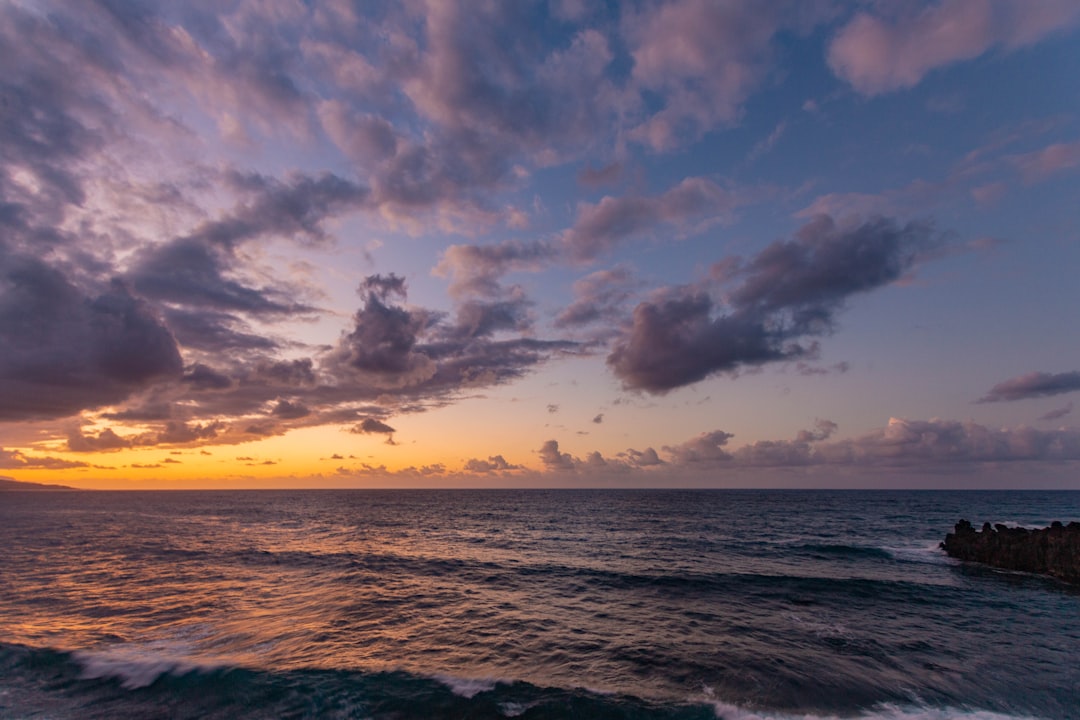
<point>293,208</point>
<point>790,291</point>
<point>808,277</point>
<point>551,408</point>
<point>287,373</point>
<point>372,426</point>
<point>192,272</point>
<point>705,448</point>
<point>676,341</point>
<point>555,460</point>
<point>203,377</point>
<point>383,287</point>
<point>823,430</point>
<point>144,411</point>
<point>383,343</point>
<point>415,353</point>
<point>494,463</point>
<point>1033,385</point>
<point>482,319</point>
<point>107,439</point>
<point>1058,413</point>
<point>290,410</point>
<point>599,418</point>
<point>214,332</point>
<point>66,350</point>
<point>642,458</point>
<point>178,432</point>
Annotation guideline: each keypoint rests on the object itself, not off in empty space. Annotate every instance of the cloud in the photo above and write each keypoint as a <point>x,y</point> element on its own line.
<point>642,458</point>
<point>599,228</point>
<point>197,270</point>
<point>765,146</point>
<point>13,459</point>
<point>706,447</point>
<point>599,298</point>
<point>494,463</point>
<point>215,332</point>
<point>596,177</point>
<point>703,60</point>
<point>290,410</point>
<point>881,54</point>
<point>901,444</point>
<point>1058,413</point>
<point>1033,385</point>
<point>599,418</point>
<point>67,349</point>
<point>555,460</point>
<point>475,270</point>
<point>107,439</point>
<point>413,352</point>
<point>1052,159</point>
<point>182,433</point>
<point>790,291</point>
<point>913,442</point>
<point>372,426</point>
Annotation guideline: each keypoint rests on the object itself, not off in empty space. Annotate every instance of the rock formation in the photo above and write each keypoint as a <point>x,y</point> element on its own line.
<point>1053,551</point>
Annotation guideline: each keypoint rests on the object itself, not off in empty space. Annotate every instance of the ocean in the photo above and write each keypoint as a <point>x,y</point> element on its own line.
<point>527,604</point>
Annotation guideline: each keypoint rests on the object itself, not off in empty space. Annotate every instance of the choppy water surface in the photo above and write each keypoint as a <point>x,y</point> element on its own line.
<point>532,604</point>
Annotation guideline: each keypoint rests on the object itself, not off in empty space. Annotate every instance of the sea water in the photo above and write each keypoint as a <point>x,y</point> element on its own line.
<point>528,604</point>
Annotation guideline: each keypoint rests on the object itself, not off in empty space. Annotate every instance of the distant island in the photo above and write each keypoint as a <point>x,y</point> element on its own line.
<point>1053,551</point>
<point>7,483</point>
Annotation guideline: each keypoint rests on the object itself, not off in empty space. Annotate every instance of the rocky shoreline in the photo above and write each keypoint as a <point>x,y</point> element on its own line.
<point>1053,551</point>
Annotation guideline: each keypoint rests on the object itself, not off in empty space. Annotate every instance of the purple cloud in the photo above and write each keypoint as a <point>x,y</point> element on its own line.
<point>599,298</point>
<point>553,459</point>
<point>1033,385</point>
<point>494,463</point>
<point>67,349</point>
<point>704,59</point>
<point>372,426</point>
<point>599,228</point>
<point>880,54</point>
<point>790,291</point>
<point>1058,413</point>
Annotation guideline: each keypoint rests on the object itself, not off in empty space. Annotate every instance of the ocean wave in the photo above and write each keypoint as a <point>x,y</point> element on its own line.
<point>853,551</point>
<point>726,711</point>
<point>94,685</point>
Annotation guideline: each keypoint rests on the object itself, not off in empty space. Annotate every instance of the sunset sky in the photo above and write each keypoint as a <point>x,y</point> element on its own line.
<point>275,243</point>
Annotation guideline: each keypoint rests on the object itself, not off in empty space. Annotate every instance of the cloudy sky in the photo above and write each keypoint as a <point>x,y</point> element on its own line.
<point>698,242</point>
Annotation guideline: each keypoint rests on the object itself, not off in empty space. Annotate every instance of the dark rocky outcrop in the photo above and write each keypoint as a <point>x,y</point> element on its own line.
<point>7,483</point>
<point>1053,551</point>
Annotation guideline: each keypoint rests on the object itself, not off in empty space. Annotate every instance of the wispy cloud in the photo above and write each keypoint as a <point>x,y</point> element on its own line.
<point>1032,385</point>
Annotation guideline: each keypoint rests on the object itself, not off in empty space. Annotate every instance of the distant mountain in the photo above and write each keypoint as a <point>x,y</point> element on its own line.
<point>7,483</point>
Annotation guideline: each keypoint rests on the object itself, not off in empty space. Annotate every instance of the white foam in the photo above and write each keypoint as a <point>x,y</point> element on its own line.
<point>138,665</point>
<point>930,553</point>
<point>466,687</point>
<point>135,668</point>
<point>726,711</point>
<point>513,709</point>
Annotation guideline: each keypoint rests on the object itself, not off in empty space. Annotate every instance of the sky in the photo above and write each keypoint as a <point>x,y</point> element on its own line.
<point>694,243</point>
